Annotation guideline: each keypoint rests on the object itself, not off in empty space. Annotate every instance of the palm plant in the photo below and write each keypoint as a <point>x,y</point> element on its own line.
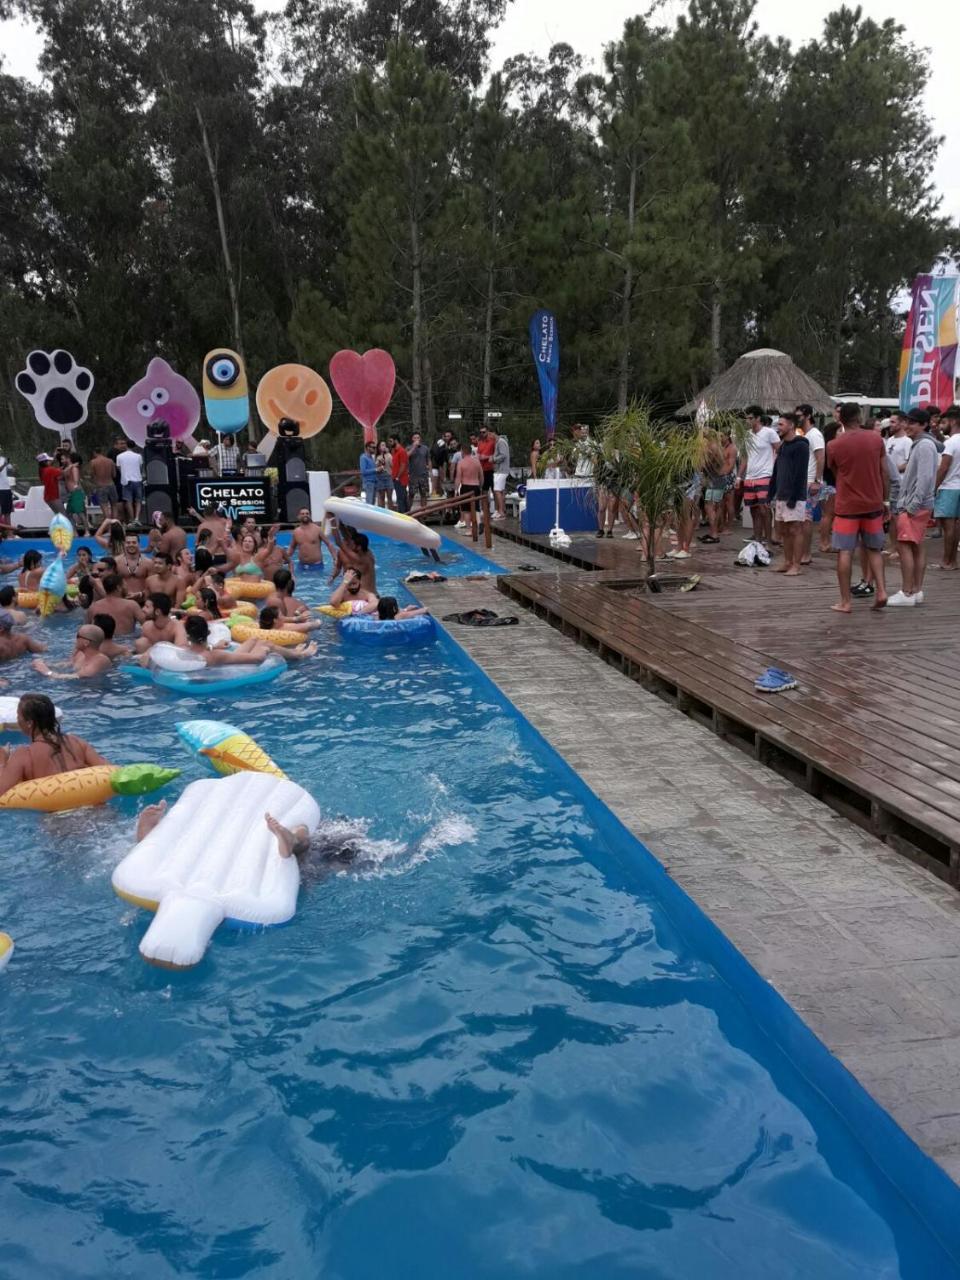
<point>634,453</point>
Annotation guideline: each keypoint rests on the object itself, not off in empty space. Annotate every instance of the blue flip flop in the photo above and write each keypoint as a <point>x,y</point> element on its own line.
<point>775,681</point>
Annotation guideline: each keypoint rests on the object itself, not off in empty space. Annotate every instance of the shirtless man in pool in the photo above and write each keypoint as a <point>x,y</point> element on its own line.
<point>353,593</point>
<point>125,613</point>
<point>87,660</point>
<point>14,644</point>
<point>308,540</point>
<point>158,625</point>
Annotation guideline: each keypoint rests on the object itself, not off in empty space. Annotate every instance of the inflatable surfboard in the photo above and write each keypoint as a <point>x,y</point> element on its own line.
<point>390,524</point>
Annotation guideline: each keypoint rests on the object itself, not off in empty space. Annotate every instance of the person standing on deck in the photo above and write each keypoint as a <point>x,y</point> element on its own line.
<point>368,473</point>
<point>857,460</point>
<point>917,488</point>
<point>818,452</point>
<point>484,448</point>
<point>467,481</point>
<point>756,472</point>
<point>419,466</point>
<point>790,492</point>
<point>947,505</point>
<point>399,473</point>
<point>501,470</point>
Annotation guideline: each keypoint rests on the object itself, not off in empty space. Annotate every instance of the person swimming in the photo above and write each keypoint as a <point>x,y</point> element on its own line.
<point>50,751</point>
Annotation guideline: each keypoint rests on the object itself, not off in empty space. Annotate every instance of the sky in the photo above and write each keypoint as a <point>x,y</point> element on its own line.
<point>532,26</point>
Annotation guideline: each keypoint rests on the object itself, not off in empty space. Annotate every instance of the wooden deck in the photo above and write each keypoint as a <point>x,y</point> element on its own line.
<point>873,728</point>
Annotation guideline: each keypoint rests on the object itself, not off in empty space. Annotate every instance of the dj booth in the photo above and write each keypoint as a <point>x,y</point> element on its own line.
<point>175,483</point>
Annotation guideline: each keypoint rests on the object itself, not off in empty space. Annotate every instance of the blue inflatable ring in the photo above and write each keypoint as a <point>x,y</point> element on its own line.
<point>213,679</point>
<point>387,635</point>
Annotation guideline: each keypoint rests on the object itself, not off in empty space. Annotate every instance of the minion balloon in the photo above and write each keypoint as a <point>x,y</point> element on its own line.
<point>226,400</point>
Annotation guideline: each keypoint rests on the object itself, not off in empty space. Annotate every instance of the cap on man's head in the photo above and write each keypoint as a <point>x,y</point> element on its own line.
<point>44,457</point>
<point>6,620</point>
<point>919,415</point>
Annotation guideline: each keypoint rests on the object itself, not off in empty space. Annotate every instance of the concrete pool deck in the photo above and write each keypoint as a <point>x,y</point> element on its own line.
<point>863,944</point>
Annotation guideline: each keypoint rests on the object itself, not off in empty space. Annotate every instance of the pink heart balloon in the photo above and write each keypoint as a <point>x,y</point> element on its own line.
<point>365,384</point>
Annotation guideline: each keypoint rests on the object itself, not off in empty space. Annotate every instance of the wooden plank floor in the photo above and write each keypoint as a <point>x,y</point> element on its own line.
<point>874,726</point>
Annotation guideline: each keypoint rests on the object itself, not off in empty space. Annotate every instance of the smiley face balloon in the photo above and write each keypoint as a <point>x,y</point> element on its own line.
<point>295,392</point>
<point>226,400</point>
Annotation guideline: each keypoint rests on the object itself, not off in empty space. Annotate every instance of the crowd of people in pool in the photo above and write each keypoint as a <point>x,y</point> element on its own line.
<point>133,597</point>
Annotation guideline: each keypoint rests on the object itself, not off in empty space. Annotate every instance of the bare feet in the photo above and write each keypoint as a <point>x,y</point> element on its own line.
<point>879,603</point>
<point>781,568</point>
<point>844,608</point>
<point>792,573</point>
<point>807,561</point>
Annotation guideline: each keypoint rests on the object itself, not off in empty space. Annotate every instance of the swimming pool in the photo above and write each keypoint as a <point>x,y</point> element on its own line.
<point>500,1047</point>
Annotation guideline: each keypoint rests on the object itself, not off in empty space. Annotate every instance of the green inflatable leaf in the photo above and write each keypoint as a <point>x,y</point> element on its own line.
<point>138,779</point>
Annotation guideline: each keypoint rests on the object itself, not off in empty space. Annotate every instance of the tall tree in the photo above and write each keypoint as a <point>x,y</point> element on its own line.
<point>856,213</point>
<point>721,81</point>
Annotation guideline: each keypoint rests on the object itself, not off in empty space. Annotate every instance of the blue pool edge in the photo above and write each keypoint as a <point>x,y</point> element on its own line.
<point>920,1182</point>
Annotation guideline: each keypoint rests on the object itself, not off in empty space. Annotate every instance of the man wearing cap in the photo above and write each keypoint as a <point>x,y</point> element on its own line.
<point>13,644</point>
<point>916,505</point>
<point>946,508</point>
<point>85,662</point>
<point>50,479</point>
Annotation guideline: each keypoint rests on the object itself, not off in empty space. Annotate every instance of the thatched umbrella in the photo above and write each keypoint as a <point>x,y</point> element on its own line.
<point>766,377</point>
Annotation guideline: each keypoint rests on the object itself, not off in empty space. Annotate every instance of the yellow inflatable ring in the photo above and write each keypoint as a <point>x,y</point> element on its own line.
<point>284,638</point>
<point>28,599</point>
<point>241,589</point>
<point>71,790</point>
<point>334,610</point>
<point>6,949</point>
<point>246,607</point>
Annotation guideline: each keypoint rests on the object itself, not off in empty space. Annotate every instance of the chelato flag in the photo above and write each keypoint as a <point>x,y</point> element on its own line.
<point>928,361</point>
<point>545,345</point>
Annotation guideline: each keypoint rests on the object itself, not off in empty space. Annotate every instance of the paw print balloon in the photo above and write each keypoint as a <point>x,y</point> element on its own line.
<point>161,395</point>
<point>297,393</point>
<point>57,390</point>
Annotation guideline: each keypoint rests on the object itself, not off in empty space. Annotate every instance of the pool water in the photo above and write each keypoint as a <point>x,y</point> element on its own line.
<point>484,1050</point>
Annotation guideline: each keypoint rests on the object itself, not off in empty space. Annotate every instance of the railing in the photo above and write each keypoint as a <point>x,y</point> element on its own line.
<point>472,502</point>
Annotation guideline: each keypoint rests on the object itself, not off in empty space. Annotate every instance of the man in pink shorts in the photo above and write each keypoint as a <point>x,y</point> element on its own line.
<point>917,490</point>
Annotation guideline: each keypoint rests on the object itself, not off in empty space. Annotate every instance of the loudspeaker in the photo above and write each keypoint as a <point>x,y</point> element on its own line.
<point>160,479</point>
<point>293,491</point>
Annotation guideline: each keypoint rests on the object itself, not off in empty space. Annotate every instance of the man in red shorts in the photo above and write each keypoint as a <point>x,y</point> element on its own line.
<point>858,461</point>
<point>756,472</point>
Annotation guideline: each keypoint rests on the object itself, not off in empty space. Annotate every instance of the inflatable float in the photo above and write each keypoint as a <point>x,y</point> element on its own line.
<point>243,608</point>
<point>8,715</point>
<point>6,950</point>
<point>229,750</point>
<point>391,524</point>
<point>242,630</point>
<point>375,634</point>
<point>212,860</point>
<point>81,788</point>
<point>28,599</point>
<point>252,589</point>
<point>175,668</point>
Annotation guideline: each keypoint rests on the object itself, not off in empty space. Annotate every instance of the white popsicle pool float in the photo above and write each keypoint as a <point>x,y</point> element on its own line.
<point>211,860</point>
